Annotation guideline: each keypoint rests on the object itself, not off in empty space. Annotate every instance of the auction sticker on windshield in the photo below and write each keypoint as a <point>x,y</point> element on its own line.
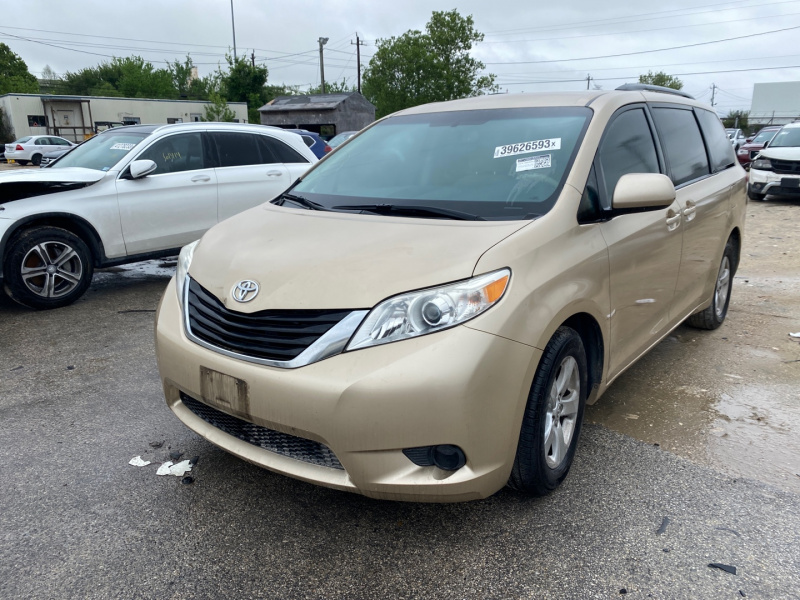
<point>527,147</point>
<point>533,162</point>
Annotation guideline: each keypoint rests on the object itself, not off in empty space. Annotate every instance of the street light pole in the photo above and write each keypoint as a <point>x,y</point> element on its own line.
<point>233,26</point>
<point>322,41</point>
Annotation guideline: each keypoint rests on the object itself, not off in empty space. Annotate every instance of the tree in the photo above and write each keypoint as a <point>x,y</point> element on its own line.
<point>244,82</point>
<point>737,119</point>
<point>218,110</point>
<point>14,75</point>
<point>661,79</point>
<point>333,87</point>
<point>129,77</point>
<point>433,66</point>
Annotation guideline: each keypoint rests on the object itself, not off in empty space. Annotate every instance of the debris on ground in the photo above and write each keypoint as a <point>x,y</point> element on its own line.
<point>727,568</point>
<point>156,444</point>
<point>188,480</point>
<point>179,470</point>
<point>175,455</point>
<point>663,527</point>
<point>137,461</point>
<point>795,335</point>
<point>728,529</point>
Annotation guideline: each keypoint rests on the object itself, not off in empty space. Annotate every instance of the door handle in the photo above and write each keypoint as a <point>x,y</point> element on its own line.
<point>690,210</point>
<point>274,173</point>
<point>197,178</point>
<point>673,220</point>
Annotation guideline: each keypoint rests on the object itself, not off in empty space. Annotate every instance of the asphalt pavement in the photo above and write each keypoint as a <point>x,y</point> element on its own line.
<point>80,397</point>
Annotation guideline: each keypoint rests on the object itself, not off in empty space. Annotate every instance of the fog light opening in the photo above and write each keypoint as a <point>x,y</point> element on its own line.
<point>448,457</point>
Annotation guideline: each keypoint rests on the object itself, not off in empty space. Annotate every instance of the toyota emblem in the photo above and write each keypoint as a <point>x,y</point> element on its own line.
<point>245,290</point>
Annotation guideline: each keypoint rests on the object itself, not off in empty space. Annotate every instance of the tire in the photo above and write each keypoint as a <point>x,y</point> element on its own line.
<point>713,316</point>
<point>22,162</point>
<point>36,159</point>
<point>47,267</point>
<point>754,196</point>
<point>545,451</point>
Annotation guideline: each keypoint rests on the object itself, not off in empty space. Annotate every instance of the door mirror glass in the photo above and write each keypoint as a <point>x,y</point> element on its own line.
<point>643,190</point>
<point>141,168</point>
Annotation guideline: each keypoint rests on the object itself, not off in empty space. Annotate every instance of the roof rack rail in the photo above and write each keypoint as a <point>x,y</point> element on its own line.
<point>646,87</point>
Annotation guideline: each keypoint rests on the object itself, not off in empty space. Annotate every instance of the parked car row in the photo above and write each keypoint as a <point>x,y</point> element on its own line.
<point>30,149</point>
<point>776,168</point>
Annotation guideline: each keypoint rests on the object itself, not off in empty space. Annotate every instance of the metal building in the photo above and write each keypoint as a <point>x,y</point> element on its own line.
<point>326,114</point>
<point>79,117</point>
<point>775,103</point>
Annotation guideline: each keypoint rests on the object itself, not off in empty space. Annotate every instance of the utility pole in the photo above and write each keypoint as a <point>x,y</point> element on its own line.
<point>359,43</point>
<point>713,92</point>
<point>253,58</point>
<point>233,26</point>
<point>588,80</point>
<point>322,41</point>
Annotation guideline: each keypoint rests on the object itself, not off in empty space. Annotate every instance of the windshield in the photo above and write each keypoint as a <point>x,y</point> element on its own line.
<point>102,151</point>
<point>764,136</point>
<point>786,137</point>
<point>497,164</point>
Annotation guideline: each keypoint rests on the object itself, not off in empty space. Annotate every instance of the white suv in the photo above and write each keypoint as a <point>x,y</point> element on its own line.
<point>776,169</point>
<point>133,193</point>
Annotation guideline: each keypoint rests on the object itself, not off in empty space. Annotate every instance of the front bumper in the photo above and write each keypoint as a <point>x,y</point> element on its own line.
<point>769,182</point>
<point>461,386</point>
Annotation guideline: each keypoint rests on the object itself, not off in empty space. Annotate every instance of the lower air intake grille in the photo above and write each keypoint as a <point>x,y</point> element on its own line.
<point>280,443</point>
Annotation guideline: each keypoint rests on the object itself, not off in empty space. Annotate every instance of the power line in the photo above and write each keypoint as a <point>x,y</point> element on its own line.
<point>740,37</point>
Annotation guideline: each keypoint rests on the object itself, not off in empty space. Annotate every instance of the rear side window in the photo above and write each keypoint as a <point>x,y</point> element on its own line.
<point>720,149</point>
<point>280,152</point>
<point>238,149</point>
<point>683,143</point>
<point>627,147</point>
<point>43,141</point>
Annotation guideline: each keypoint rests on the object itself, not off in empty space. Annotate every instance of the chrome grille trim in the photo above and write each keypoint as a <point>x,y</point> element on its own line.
<point>329,344</point>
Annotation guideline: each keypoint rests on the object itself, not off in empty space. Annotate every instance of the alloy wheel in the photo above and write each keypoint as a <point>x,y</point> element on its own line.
<point>51,269</point>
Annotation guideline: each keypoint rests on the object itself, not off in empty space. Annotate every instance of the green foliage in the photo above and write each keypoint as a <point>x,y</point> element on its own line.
<point>244,82</point>
<point>661,79</point>
<point>218,110</point>
<point>14,75</point>
<point>433,66</point>
<point>333,87</point>
<point>129,77</point>
<point>736,118</point>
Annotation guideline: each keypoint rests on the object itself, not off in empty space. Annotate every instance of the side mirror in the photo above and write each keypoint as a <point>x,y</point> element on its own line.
<point>141,168</point>
<point>643,190</point>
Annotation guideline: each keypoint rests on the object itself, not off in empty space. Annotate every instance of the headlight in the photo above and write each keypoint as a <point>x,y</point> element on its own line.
<point>425,311</point>
<point>762,163</point>
<point>184,260</point>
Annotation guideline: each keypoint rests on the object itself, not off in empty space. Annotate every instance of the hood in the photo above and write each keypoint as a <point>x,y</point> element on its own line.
<point>27,183</point>
<point>788,153</point>
<point>305,259</point>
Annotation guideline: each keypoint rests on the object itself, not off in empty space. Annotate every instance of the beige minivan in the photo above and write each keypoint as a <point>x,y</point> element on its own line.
<point>425,314</point>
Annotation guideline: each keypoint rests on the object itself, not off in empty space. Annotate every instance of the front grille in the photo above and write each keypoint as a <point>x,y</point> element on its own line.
<point>279,335</point>
<point>275,441</point>
<point>787,167</point>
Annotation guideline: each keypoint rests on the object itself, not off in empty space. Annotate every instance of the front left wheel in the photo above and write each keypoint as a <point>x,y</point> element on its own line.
<point>47,267</point>
<point>553,416</point>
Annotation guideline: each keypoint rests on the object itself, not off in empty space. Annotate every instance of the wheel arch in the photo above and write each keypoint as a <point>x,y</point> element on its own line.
<point>591,334</point>
<point>72,223</point>
<point>736,237</point>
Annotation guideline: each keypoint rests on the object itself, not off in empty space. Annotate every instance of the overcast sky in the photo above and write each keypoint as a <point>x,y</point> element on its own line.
<point>530,46</point>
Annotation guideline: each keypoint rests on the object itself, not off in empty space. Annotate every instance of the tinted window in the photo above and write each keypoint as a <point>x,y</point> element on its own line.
<point>238,149</point>
<point>497,164</point>
<point>627,147</point>
<point>683,143</point>
<point>42,141</point>
<point>719,146</point>
<point>279,151</point>
<point>60,141</point>
<point>176,153</point>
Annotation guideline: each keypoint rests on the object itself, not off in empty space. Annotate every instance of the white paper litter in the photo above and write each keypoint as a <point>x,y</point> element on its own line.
<point>179,469</point>
<point>795,335</point>
<point>137,461</point>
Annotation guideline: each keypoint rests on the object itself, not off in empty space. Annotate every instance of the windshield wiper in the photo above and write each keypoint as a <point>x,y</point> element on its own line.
<point>386,209</point>
<point>309,204</point>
